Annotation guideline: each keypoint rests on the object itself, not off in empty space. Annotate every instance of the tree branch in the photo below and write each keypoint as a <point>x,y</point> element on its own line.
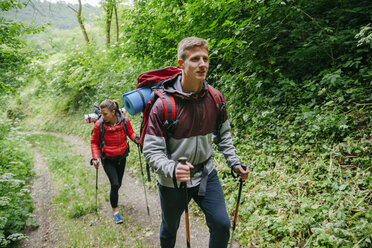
<point>72,8</point>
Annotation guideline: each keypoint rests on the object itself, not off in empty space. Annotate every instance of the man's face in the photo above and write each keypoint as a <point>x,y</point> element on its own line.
<point>196,64</point>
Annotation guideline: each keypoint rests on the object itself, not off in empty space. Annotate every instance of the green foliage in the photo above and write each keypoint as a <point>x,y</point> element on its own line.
<point>53,41</point>
<point>14,54</point>
<point>308,202</point>
<point>275,57</point>
<point>58,15</point>
<point>15,171</point>
<point>85,75</point>
<point>10,4</point>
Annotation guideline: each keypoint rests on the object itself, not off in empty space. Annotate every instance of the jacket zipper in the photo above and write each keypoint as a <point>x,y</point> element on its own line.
<point>119,139</point>
<point>198,125</point>
<point>197,134</point>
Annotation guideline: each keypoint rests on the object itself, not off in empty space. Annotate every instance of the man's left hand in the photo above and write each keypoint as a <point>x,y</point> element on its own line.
<point>243,173</point>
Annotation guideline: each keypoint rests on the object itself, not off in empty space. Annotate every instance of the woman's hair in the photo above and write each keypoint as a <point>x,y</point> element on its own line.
<point>190,42</point>
<point>110,105</point>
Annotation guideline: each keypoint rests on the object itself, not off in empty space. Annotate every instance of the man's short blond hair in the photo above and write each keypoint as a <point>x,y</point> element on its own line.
<point>188,43</point>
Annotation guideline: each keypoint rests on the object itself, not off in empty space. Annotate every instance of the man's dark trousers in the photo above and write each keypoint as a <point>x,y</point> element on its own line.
<point>212,205</point>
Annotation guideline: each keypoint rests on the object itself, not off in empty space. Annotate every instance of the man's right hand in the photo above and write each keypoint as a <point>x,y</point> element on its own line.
<point>183,172</point>
<point>242,171</point>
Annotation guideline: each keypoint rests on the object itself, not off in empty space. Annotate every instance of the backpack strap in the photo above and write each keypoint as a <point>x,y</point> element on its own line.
<point>220,108</point>
<point>125,129</point>
<point>142,98</point>
<point>216,97</point>
<point>124,124</point>
<point>169,112</point>
<point>170,121</point>
<point>101,132</point>
<point>101,142</point>
<point>169,108</point>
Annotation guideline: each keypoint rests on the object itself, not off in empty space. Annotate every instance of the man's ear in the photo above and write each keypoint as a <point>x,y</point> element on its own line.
<point>180,63</point>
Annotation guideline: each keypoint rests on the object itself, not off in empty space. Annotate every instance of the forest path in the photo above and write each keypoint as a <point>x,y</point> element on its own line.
<point>42,192</point>
<point>131,201</point>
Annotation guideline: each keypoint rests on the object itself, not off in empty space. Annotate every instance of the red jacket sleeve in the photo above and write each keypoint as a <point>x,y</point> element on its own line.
<point>95,140</point>
<point>130,131</point>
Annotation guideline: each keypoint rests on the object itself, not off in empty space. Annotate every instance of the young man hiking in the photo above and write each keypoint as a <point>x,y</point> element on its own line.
<point>191,137</point>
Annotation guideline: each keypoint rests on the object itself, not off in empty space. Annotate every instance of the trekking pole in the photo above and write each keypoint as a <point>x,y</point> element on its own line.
<point>182,160</point>
<point>96,190</point>
<point>143,179</point>
<point>237,207</point>
<point>91,163</point>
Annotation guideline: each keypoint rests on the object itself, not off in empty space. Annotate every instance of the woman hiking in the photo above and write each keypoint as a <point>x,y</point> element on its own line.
<point>108,143</point>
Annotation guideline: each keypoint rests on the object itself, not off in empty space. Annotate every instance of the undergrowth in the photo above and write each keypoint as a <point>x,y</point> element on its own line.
<point>16,205</point>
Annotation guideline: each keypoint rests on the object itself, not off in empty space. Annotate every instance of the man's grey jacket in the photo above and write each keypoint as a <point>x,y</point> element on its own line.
<point>192,137</point>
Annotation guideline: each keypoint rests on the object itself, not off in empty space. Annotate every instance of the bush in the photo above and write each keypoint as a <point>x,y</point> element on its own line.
<point>15,172</point>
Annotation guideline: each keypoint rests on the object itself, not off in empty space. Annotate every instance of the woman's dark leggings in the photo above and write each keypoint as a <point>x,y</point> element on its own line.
<point>114,169</point>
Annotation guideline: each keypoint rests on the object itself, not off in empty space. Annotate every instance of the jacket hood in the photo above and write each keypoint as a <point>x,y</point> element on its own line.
<point>173,86</point>
<point>120,117</point>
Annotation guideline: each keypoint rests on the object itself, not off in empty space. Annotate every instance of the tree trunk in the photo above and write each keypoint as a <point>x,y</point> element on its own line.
<point>109,10</point>
<point>117,22</point>
<point>80,20</point>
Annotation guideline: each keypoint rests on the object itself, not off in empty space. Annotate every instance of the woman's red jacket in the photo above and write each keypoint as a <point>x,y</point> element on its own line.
<point>114,137</point>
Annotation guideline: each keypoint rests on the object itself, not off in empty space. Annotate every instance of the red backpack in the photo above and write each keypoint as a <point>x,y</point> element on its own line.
<point>154,80</point>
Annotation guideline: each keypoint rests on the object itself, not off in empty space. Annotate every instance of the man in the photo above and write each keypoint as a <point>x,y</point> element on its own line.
<point>197,116</point>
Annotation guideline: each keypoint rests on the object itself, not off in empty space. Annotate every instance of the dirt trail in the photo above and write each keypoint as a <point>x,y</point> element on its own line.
<point>132,200</point>
<point>47,234</point>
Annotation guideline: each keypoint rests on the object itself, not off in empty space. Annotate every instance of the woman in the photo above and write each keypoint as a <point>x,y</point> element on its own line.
<point>109,144</point>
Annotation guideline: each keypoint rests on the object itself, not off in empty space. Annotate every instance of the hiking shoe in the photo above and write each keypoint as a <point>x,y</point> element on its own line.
<point>117,218</point>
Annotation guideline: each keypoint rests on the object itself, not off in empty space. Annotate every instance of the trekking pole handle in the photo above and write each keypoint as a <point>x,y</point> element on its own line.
<point>244,166</point>
<point>182,160</point>
<point>94,159</point>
